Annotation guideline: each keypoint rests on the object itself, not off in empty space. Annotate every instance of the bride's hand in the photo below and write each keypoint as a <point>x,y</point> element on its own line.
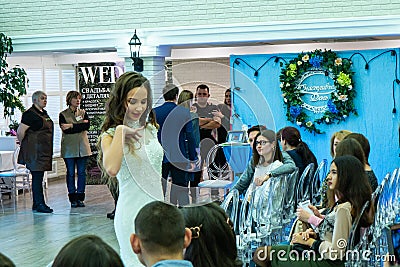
<point>131,133</point>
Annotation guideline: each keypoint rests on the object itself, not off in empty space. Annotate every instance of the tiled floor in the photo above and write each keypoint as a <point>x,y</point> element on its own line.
<point>34,239</point>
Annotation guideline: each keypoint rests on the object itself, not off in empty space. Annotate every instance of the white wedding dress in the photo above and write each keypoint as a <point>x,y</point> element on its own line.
<point>139,183</point>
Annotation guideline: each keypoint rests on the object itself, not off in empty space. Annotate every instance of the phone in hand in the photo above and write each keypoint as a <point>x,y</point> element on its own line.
<point>304,206</point>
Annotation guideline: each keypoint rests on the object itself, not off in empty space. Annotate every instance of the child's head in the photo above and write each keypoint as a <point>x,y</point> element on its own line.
<point>89,251</point>
<point>213,240</point>
<point>159,232</point>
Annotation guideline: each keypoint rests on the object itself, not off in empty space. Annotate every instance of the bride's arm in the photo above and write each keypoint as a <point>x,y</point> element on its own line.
<point>112,147</point>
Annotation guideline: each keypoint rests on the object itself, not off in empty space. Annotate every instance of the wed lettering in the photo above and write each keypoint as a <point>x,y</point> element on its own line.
<point>101,74</point>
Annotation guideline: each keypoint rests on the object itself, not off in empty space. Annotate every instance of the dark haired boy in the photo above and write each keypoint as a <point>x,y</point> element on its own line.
<point>160,236</point>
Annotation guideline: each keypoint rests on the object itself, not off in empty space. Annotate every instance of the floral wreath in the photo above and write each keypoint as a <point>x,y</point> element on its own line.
<point>340,104</point>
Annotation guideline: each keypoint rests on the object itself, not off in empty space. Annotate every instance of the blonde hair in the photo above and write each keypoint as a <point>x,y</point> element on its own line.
<point>340,135</point>
<point>184,98</point>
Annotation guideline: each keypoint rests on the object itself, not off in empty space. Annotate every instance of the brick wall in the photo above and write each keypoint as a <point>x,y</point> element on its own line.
<point>32,17</point>
<point>188,74</point>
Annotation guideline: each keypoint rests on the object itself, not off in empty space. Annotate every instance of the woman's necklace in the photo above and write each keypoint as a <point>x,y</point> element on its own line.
<point>133,124</point>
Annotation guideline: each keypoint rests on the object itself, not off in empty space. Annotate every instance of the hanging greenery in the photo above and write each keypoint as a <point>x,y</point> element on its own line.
<point>13,81</point>
<point>340,104</point>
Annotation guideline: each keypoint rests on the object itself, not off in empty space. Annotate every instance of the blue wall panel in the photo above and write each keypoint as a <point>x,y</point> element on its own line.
<point>259,101</point>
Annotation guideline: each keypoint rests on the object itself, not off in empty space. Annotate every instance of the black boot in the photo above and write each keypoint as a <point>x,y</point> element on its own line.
<point>80,199</point>
<point>111,215</point>
<point>43,208</point>
<point>73,199</point>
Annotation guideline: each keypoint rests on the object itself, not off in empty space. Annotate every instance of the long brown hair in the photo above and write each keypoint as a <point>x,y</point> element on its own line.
<point>117,103</point>
<point>353,186</point>
<point>271,136</point>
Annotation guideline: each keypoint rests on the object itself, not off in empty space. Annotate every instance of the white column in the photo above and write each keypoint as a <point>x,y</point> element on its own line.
<point>153,69</point>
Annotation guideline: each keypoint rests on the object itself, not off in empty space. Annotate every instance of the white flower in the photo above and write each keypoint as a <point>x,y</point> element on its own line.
<point>344,116</point>
<point>338,61</point>
<point>305,58</point>
<point>284,94</point>
<point>287,84</point>
<point>281,85</point>
<point>309,123</point>
<point>298,123</point>
<point>299,63</point>
<point>350,87</point>
<point>285,100</point>
<point>327,120</point>
<point>343,98</point>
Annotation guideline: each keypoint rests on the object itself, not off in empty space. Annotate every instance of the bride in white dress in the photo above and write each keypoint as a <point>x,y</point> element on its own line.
<point>132,153</point>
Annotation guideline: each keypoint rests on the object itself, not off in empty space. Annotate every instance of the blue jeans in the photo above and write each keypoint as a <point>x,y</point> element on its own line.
<point>80,163</point>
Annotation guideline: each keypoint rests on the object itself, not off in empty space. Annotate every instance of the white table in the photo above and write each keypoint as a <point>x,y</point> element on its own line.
<point>6,160</point>
<point>8,143</point>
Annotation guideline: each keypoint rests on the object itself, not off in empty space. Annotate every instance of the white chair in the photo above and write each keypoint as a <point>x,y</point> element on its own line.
<point>19,177</point>
<point>7,186</point>
<point>216,182</point>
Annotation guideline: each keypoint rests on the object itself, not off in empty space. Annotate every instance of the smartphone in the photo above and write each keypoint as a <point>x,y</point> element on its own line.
<point>393,236</point>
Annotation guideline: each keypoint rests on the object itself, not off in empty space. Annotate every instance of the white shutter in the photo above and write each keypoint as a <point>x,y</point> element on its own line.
<point>52,77</point>
<point>35,81</point>
<point>68,80</point>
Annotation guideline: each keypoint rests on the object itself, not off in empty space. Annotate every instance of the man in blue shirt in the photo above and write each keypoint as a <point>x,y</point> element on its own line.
<point>176,137</point>
<point>160,236</point>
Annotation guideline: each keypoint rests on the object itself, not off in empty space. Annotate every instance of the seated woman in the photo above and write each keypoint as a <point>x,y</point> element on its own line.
<point>349,146</point>
<point>213,240</point>
<point>336,138</point>
<point>350,184</point>
<point>366,148</point>
<point>267,140</point>
<point>299,151</point>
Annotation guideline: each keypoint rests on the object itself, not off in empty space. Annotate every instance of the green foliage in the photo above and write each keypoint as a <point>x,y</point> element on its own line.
<point>341,102</point>
<point>13,81</point>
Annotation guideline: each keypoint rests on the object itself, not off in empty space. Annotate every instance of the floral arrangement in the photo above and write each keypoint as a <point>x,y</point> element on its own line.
<point>340,104</point>
<point>13,128</point>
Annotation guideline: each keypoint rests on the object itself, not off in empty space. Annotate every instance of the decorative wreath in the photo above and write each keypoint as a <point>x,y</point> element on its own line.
<point>340,104</point>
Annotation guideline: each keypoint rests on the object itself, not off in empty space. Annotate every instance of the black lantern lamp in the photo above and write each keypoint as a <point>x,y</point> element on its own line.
<point>134,46</point>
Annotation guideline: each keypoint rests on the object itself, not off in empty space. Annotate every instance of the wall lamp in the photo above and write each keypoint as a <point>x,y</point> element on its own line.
<point>134,46</point>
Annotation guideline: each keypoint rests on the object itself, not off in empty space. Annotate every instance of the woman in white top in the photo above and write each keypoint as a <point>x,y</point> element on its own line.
<point>131,152</point>
<point>267,157</point>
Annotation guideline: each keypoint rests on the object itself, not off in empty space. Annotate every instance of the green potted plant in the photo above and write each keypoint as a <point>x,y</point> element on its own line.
<point>13,81</point>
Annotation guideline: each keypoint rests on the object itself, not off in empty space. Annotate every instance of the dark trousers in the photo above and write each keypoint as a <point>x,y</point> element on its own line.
<point>37,187</point>
<point>179,189</point>
<point>80,163</point>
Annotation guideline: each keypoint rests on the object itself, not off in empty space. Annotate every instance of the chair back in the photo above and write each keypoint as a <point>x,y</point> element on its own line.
<point>245,218</point>
<point>303,187</point>
<point>230,205</point>
<point>320,173</point>
<point>291,193</point>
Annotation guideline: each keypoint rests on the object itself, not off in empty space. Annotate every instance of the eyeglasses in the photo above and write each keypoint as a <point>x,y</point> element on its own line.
<point>262,142</point>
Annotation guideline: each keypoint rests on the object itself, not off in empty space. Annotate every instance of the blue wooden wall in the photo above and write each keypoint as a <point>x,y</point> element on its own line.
<point>259,101</point>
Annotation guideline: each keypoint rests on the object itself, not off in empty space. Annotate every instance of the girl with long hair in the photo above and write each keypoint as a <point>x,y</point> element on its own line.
<point>213,240</point>
<point>131,152</point>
